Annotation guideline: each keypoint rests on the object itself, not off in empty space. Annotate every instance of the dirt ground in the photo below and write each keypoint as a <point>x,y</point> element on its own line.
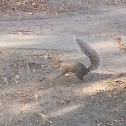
<point>31,96</point>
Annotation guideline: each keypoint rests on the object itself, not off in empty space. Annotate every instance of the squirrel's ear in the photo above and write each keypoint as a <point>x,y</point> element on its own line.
<point>57,59</point>
<point>56,63</point>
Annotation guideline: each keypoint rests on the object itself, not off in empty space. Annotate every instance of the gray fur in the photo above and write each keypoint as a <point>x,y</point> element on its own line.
<point>92,54</point>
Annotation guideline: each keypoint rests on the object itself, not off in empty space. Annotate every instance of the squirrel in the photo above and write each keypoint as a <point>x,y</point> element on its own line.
<point>78,68</point>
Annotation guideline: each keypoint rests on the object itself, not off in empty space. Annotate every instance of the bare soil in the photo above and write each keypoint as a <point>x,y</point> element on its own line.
<point>31,96</point>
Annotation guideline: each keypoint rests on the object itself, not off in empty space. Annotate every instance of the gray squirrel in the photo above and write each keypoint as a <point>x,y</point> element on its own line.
<point>78,68</point>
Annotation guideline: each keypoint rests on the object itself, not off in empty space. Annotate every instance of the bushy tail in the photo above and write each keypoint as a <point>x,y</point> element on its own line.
<point>93,55</point>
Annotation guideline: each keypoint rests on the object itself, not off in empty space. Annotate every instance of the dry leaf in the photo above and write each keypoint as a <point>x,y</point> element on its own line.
<point>121,44</point>
<point>5,124</point>
<point>43,117</point>
<point>16,78</point>
<point>36,96</point>
<point>5,80</point>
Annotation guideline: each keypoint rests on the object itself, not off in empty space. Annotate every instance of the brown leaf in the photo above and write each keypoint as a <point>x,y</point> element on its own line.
<point>5,80</point>
<point>43,117</point>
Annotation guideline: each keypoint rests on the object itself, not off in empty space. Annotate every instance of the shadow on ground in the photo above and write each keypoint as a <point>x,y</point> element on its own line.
<point>93,103</point>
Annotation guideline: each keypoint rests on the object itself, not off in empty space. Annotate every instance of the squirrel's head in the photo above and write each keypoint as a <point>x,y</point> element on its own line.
<point>56,63</point>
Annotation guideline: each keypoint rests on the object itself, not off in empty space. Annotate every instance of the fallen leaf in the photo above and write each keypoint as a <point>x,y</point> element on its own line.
<point>36,96</point>
<point>43,117</point>
<point>16,78</point>
<point>5,124</point>
<point>5,80</point>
